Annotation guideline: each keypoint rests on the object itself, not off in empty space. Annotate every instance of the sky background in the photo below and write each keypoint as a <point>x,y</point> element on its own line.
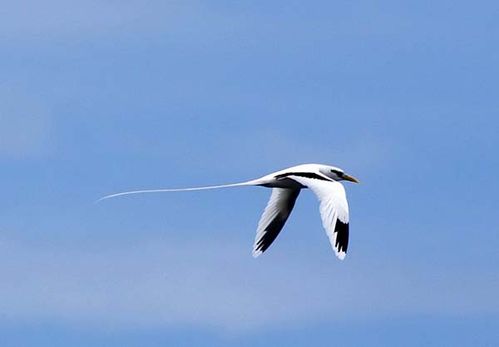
<point>103,96</point>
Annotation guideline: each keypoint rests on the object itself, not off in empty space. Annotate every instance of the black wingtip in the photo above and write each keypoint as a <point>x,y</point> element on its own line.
<point>342,232</point>
<point>271,232</point>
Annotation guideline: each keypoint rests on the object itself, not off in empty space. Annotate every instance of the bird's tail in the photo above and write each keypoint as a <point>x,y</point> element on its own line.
<point>248,183</point>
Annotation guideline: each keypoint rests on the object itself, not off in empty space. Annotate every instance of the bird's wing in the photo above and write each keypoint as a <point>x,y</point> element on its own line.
<point>334,211</point>
<point>274,217</point>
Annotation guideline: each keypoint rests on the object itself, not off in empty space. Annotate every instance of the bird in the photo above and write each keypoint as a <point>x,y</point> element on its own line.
<point>322,180</point>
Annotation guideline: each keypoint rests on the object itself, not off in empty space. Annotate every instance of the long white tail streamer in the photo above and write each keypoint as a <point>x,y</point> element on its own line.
<point>248,183</point>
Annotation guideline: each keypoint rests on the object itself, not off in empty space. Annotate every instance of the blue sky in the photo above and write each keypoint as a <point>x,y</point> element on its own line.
<point>99,97</point>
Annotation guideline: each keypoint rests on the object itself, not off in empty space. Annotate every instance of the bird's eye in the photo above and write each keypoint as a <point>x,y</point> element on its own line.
<point>337,172</point>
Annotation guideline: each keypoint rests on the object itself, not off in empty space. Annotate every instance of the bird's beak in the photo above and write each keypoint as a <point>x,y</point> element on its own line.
<point>350,178</point>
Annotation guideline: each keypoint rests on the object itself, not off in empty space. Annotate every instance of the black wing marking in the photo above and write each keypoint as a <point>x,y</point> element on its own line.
<point>274,217</point>
<point>342,232</point>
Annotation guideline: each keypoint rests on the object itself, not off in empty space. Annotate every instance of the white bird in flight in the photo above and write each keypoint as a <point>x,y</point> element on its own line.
<point>286,184</point>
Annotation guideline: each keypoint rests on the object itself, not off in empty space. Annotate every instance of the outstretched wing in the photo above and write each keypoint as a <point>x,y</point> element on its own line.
<point>274,217</point>
<point>334,211</point>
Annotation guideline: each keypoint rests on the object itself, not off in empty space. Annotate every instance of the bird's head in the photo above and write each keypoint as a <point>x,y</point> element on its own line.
<point>337,174</point>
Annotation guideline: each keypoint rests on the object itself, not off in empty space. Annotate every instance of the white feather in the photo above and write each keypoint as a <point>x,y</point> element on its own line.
<point>333,206</point>
<point>280,205</point>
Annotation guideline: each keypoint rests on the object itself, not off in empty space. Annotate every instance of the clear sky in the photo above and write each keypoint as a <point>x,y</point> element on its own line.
<point>102,96</point>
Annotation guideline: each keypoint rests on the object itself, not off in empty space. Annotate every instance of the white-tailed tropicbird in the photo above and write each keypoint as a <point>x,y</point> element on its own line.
<point>286,184</point>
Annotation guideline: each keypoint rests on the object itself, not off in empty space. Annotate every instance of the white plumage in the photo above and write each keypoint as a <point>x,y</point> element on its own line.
<point>333,208</point>
<point>286,185</point>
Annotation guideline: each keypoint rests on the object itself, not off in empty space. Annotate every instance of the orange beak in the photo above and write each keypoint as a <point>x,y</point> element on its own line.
<point>350,178</point>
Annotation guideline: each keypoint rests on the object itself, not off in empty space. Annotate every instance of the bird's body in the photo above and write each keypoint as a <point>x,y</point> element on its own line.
<point>280,179</point>
<point>286,185</point>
